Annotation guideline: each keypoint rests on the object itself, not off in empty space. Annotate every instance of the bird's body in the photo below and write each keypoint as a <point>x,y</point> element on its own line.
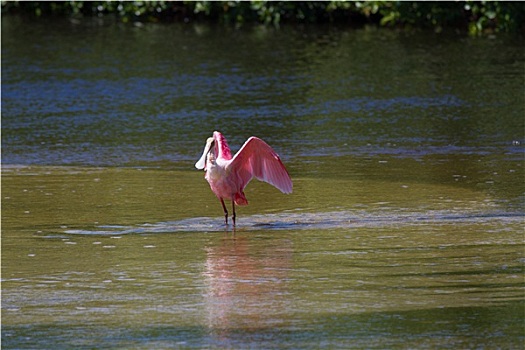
<point>228,175</point>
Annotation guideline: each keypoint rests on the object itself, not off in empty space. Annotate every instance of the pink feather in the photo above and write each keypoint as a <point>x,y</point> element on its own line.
<point>228,176</point>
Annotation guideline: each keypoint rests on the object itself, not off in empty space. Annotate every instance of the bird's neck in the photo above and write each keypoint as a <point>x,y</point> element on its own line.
<point>223,148</point>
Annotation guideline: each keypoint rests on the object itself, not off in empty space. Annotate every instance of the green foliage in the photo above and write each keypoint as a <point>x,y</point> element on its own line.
<point>496,16</point>
<point>473,17</point>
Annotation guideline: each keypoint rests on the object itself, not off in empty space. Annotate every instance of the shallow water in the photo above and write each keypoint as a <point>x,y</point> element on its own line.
<point>404,230</point>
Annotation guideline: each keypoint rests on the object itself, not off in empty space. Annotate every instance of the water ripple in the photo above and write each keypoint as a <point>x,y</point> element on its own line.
<point>305,221</point>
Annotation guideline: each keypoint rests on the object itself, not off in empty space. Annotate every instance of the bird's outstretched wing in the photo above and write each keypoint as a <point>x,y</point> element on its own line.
<point>257,159</point>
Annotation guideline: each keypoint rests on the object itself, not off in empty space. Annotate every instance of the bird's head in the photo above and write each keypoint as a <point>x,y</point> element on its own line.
<point>210,152</point>
<point>216,147</point>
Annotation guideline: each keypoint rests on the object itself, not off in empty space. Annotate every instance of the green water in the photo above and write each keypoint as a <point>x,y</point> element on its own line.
<point>398,265</point>
<point>404,230</point>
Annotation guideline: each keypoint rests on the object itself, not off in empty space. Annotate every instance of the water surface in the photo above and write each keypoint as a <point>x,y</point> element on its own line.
<point>404,230</point>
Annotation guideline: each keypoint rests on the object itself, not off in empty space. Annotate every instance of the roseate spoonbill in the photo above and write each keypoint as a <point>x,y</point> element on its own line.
<point>228,176</point>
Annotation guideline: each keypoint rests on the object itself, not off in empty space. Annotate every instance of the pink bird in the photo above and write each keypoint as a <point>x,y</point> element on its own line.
<point>228,176</point>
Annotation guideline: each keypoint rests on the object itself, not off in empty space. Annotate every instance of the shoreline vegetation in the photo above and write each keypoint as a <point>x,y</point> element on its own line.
<point>472,17</point>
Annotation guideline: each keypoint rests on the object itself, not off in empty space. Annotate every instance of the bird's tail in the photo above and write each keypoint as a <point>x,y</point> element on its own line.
<point>240,199</point>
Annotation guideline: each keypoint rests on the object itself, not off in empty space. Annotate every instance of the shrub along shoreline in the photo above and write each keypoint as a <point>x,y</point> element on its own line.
<point>473,17</point>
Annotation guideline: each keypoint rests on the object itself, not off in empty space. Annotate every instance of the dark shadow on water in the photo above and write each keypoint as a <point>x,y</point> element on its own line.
<point>498,326</point>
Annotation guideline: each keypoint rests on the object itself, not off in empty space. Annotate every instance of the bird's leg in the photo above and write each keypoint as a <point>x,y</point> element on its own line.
<point>233,217</point>
<point>226,212</point>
